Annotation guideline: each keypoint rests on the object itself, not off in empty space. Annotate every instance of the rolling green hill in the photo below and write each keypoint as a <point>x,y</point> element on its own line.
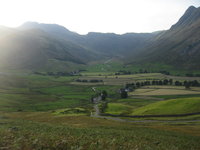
<point>170,107</point>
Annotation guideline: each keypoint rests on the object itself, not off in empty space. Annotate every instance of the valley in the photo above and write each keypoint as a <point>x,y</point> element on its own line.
<point>61,109</point>
<point>61,90</point>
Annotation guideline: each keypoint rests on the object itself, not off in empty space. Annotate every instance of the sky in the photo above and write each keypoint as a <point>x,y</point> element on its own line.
<point>83,16</point>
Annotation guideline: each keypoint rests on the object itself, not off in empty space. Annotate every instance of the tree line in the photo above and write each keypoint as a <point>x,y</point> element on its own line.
<point>57,74</point>
<point>91,81</point>
<point>187,84</point>
<point>124,72</point>
<point>129,87</point>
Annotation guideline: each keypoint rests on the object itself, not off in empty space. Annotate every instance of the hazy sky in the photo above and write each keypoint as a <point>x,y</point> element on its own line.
<point>83,16</point>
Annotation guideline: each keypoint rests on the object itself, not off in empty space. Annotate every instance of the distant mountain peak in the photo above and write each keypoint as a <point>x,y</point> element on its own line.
<point>190,11</point>
<point>191,15</point>
<point>53,29</point>
<point>29,25</point>
<point>191,8</point>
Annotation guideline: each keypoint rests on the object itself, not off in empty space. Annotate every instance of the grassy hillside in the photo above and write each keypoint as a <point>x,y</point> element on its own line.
<point>126,106</point>
<point>36,50</point>
<point>44,131</point>
<point>105,44</point>
<point>173,106</point>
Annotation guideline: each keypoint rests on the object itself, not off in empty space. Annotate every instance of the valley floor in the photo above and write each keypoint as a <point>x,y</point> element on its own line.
<point>46,112</point>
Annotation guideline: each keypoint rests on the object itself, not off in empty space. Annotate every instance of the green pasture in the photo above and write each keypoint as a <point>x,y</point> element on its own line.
<point>117,109</point>
<point>40,93</point>
<point>72,111</point>
<point>115,66</point>
<point>173,106</point>
<point>126,106</point>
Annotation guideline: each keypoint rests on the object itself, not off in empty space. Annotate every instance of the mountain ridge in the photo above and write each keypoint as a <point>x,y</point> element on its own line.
<point>105,44</point>
<point>179,46</point>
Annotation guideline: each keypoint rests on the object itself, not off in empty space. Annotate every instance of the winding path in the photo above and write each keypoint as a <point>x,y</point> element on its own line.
<point>144,121</point>
<point>97,114</point>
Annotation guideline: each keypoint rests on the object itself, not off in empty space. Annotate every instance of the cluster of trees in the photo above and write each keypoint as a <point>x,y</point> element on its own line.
<point>164,72</point>
<point>123,93</point>
<point>192,75</point>
<point>123,72</point>
<point>129,87</point>
<point>187,84</point>
<point>103,95</point>
<point>58,74</point>
<point>132,86</point>
<point>102,106</point>
<point>91,81</point>
<point>39,73</point>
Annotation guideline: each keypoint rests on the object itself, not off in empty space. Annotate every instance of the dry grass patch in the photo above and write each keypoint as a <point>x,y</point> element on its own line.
<point>165,90</point>
<point>168,92</point>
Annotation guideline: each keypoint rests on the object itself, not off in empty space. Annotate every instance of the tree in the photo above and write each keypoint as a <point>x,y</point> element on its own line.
<point>104,95</point>
<point>165,82</point>
<point>123,93</point>
<point>187,85</point>
<point>195,83</point>
<point>178,83</point>
<point>153,82</point>
<point>185,82</point>
<point>160,82</point>
<point>157,82</point>
<point>138,84</point>
<point>147,83</point>
<point>170,81</point>
<point>92,99</point>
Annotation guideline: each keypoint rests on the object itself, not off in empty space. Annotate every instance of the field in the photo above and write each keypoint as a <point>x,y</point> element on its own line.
<point>165,90</point>
<point>46,112</point>
<point>111,79</point>
<point>172,106</point>
<point>111,66</point>
<point>117,108</point>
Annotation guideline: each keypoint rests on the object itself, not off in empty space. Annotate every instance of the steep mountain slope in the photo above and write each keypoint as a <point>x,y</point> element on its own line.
<point>37,46</point>
<point>54,30</point>
<point>34,49</point>
<point>115,45</point>
<point>105,44</point>
<point>179,46</point>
